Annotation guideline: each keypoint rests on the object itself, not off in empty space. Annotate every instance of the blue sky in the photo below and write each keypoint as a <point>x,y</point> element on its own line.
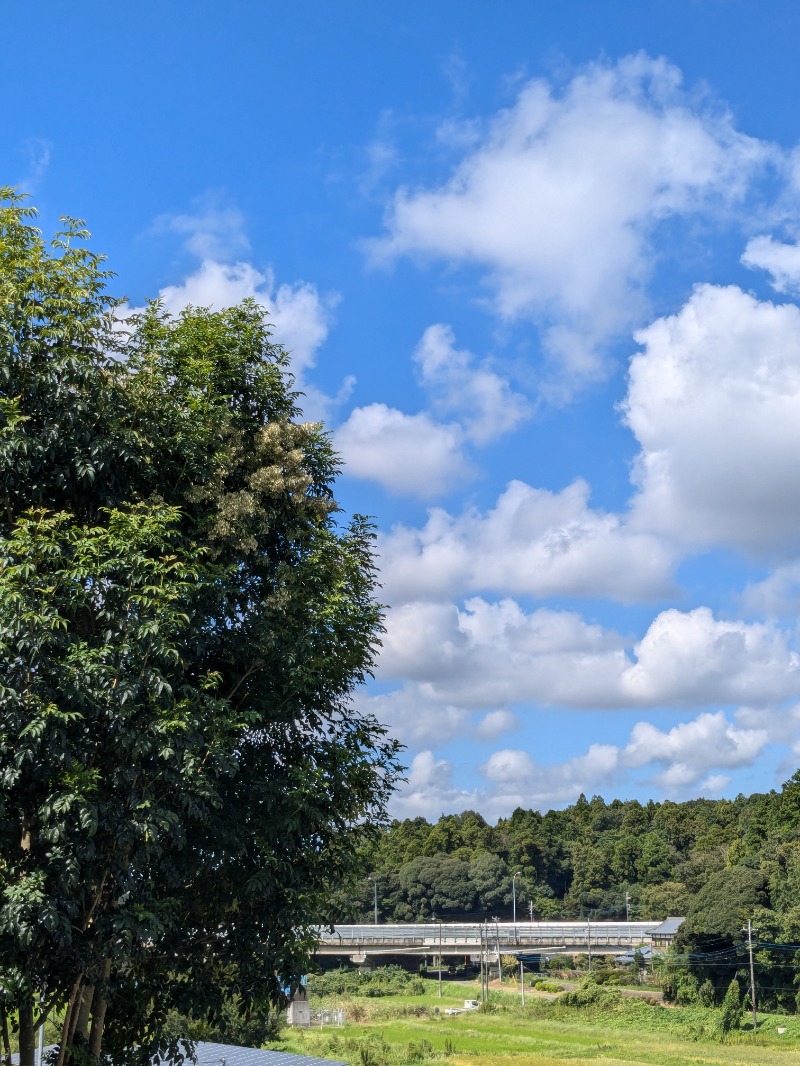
<point>537,265</point>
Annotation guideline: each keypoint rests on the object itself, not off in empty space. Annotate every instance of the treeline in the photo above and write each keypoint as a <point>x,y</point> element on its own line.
<point>584,861</point>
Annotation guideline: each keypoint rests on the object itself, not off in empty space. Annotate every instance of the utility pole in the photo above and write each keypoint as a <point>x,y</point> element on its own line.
<point>484,964</point>
<point>522,981</point>
<point>752,972</point>
<point>530,908</point>
<point>481,956</point>
<point>627,906</point>
<point>589,942</point>
<point>514,897</point>
<point>497,941</point>
<point>440,958</point>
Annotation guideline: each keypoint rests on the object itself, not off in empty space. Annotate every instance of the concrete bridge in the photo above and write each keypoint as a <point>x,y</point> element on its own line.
<point>507,938</point>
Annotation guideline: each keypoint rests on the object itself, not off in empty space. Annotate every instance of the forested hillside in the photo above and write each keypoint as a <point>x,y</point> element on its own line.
<point>585,860</point>
<point>719,863</point>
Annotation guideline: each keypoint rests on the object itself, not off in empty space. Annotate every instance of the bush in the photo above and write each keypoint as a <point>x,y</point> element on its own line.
<point>419,1052</point>
<point>592,994</point>
<point>687,989</point>
<point>705,994</point>
<point>234,1025</point>
<point>382,981</point>
<point>547,986</point>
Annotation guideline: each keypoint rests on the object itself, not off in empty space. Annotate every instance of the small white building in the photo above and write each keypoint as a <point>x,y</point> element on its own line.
<point>299,1010</point>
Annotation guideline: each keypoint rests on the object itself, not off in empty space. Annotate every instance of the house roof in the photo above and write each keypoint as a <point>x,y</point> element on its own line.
<point>668,928</point>
<point>210,1054</point>
<point>630,956</point>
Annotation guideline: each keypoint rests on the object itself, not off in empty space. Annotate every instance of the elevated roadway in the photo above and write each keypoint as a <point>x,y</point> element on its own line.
<point>509,938</point>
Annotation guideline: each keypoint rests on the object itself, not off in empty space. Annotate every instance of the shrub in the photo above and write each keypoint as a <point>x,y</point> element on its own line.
<point>592,994</point>
<point>382,981</point>
<point>687,989</point>
<point>705,994</point>
<point>419,1052</point>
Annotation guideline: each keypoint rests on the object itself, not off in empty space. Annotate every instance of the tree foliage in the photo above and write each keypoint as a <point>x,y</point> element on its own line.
<point>183,619</point>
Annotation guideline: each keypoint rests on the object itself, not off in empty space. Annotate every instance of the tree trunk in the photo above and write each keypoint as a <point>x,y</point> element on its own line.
<point>26,836</point>
<point>73,1019</point>
<point>27,1034</point>
<point>99,1007</point>
<point>5,1037</point>
<point>69,1022</point>
<point>82,1020</point>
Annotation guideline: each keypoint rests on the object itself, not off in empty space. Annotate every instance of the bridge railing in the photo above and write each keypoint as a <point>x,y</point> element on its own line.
<point>472,934</point>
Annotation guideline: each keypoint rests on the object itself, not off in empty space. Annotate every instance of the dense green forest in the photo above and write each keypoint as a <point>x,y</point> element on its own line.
<point>717,862</point>
<point>582,862</point>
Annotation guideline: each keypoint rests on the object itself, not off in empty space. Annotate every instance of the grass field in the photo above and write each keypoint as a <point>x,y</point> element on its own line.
<point>406,1029</point>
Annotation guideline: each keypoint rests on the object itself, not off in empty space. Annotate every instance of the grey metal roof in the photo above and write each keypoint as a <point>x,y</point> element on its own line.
<point>209,1054</point>
<point>630,956</point>
<point>668,928</point>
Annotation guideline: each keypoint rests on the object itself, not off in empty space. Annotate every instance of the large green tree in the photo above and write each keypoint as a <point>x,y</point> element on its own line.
<point>183,618</point>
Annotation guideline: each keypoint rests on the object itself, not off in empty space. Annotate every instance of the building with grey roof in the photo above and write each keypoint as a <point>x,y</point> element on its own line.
<point>210,1054</point>
<point>663,935</point>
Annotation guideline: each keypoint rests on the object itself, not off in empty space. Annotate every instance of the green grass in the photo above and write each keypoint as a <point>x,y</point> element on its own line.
<point>405,1029</point>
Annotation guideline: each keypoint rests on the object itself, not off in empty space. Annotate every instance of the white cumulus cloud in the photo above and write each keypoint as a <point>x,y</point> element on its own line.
<point>409,454</point>
<point>482,400</point>
<point>780,260</point>
<point>714,401</point>
<point>491,655</point>
<point>429,791</point>
<point>495,655</point>
<point>517,780</point>
<point>691,658</point>
<point>532,542</point>
<point>689,759</point>
<point>558,202</point>
<point>416,720</point>
<point>495,723</point>
<point>777,595</point>
<point>420,454</point>
<point>692,748</point>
